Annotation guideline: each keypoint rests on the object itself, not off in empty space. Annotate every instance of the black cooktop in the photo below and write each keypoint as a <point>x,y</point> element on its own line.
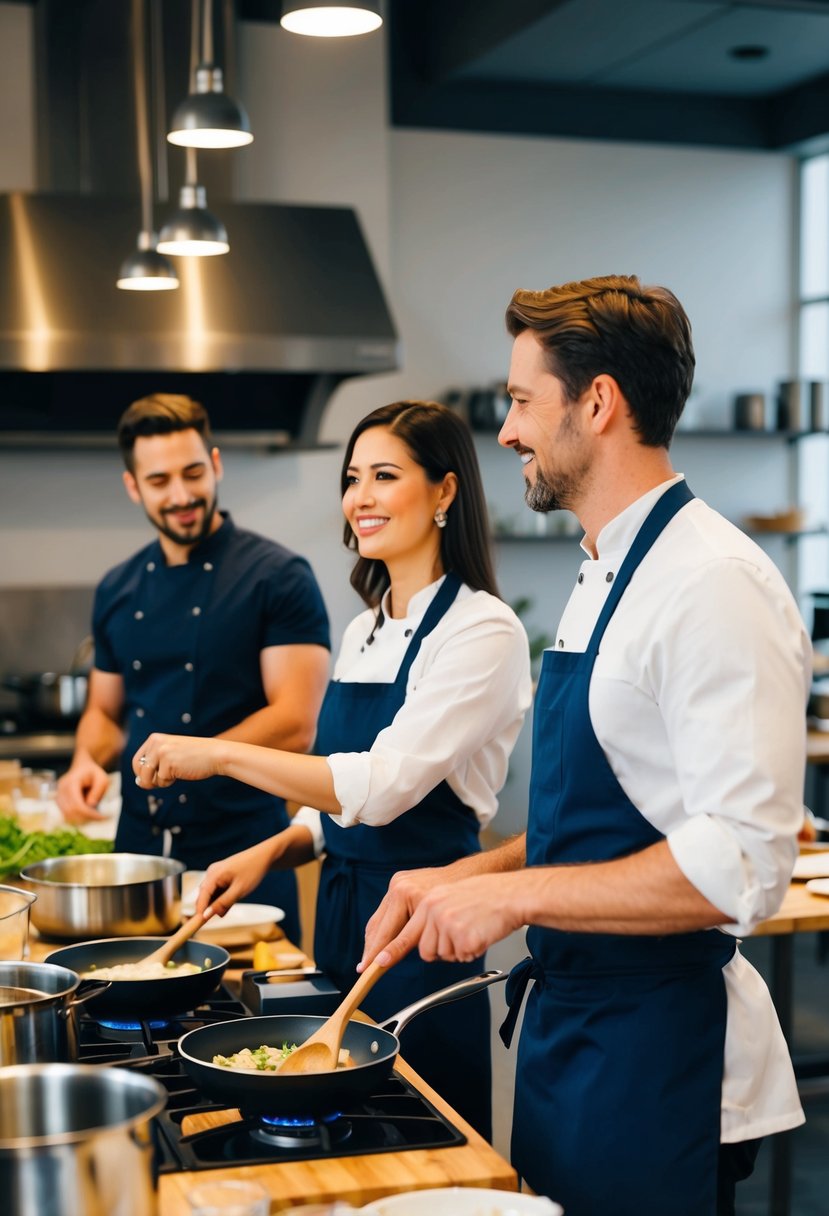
<point>393,1119</point>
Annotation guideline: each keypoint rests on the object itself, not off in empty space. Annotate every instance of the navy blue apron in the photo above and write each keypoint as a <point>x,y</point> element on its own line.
<point>449,1047</point>
<point>620,1060</point>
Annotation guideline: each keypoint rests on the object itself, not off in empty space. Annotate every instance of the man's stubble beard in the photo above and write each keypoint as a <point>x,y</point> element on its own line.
<point>187,539</point>
<point>543,495</point>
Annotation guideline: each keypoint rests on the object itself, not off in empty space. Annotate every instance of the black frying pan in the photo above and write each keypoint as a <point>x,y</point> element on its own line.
<point>373,1050</point>
<point>146,998</point>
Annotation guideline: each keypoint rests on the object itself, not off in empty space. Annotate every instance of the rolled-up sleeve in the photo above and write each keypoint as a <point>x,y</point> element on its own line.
<point>731,683</point>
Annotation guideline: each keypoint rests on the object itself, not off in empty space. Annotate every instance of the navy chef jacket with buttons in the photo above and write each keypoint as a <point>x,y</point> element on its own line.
<point>187,640</point>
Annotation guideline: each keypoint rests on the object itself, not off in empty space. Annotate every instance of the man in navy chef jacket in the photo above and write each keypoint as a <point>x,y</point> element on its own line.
<point>209,630</point>
<point>665,796</point>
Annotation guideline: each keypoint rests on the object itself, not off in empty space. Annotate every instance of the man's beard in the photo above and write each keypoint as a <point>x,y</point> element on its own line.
<point>543,496</point>
<point>188,537</point>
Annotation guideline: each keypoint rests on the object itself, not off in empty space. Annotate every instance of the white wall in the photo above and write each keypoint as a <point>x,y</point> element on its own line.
<point>456,222</point>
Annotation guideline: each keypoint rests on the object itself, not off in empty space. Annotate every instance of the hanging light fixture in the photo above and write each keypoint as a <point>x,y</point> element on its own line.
<point>208,118</point>
<point>192,230</point>
<point>146,269</point>
<point>330,18</point>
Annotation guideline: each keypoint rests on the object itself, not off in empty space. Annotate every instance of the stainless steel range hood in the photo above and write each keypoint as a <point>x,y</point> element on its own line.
<point>295,308</point>
<point>261,335</point>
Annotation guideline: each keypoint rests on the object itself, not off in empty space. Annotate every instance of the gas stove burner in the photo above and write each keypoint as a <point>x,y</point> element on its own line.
<point>325,1131</point>
<point>132,1032</point>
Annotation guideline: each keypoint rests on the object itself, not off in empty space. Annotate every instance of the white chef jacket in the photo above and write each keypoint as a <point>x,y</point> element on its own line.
<point>698,700</point>
<point>467,693</point>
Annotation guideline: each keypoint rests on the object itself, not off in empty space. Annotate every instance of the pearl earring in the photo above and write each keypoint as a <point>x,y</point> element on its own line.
<point>441,518</point>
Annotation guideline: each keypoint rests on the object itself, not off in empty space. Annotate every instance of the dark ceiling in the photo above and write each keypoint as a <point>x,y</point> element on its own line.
<point>731,73</point>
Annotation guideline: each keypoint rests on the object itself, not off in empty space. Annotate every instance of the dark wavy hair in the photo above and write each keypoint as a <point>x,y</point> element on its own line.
<point>613,325</point>
<point>161,414</point>
<point>440,442</point>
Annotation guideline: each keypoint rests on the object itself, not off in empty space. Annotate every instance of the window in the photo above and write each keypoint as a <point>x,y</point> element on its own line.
<point>813,358</point>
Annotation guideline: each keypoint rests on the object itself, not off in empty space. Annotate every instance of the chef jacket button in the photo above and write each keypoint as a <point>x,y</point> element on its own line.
<point>581,578</point>
<point>188,666</point>
<point>182,797</point>
<point>139,615</point>
<point>139,713</point>
<point>186,717</point>
<point>197,611</point>
<point>136,664</point>
<point>608,578</point>
<point>208,565</point>
<point>151,566</point>
<point>408,633</point>
<point>561,643</point>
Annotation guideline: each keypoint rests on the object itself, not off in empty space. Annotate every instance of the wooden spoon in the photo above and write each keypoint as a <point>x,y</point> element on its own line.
<point>166,951</point>
<point>321,1051</point>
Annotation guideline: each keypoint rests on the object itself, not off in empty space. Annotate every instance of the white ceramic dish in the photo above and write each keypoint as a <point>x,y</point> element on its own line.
<point>812,865</point>
<point>462,1201</point>
<point>243,924</point>
<point>818,886</point>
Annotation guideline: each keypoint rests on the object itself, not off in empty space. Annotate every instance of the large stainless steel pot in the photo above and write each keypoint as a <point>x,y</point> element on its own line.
<point>97,895</point>
<point>38,1024</point>
<point>77,1139</point>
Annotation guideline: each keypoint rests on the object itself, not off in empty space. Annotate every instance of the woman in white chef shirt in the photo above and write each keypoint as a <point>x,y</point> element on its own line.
<point>427,700</point>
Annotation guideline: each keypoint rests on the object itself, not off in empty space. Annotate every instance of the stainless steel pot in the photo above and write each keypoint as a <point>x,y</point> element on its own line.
<point>50,695</point>
<point>99,895</point>
<point>38,1024</point>
<point>77,1139</point>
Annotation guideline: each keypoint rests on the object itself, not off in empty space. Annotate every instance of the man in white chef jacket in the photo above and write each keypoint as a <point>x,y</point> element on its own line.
<point>665,797</point>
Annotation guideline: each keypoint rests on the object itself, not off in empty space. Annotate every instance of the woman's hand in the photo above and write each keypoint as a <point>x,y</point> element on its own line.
<point>163,759</point>
<point>227,881</point>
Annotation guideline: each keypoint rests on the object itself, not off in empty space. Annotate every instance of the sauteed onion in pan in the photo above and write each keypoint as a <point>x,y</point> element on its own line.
<point>143,971</point>
<point>270,1059</point>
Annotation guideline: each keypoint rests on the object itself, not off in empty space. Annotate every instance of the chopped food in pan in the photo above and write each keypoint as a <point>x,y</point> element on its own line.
<point>270,1059</point>
<point>143,971</point>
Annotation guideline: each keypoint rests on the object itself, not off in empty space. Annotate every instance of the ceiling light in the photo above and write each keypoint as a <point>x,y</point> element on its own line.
<point>329,18</point>
<point>147,269</point>
<point>208,118</point>
<point>193,231</point>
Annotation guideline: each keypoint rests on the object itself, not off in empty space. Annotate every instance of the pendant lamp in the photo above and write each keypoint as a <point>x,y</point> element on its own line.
<point>193,231</point>
<point>331,18</point>
<point>208,118</point>
<point>146,269</point>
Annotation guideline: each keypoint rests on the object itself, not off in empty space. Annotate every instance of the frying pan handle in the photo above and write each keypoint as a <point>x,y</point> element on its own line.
<point>443,996</point>
<point>87,990</point>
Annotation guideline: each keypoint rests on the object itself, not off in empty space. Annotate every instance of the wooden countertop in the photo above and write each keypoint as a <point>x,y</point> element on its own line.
<point>817,746</point>
<point>356,1180</point>
<point>800,912</point>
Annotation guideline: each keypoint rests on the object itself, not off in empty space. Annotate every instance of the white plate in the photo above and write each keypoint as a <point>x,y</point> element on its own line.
<point>818,886</point>
<point>812,865</point>
<point>244,923</point>
<point>461,1201</point>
